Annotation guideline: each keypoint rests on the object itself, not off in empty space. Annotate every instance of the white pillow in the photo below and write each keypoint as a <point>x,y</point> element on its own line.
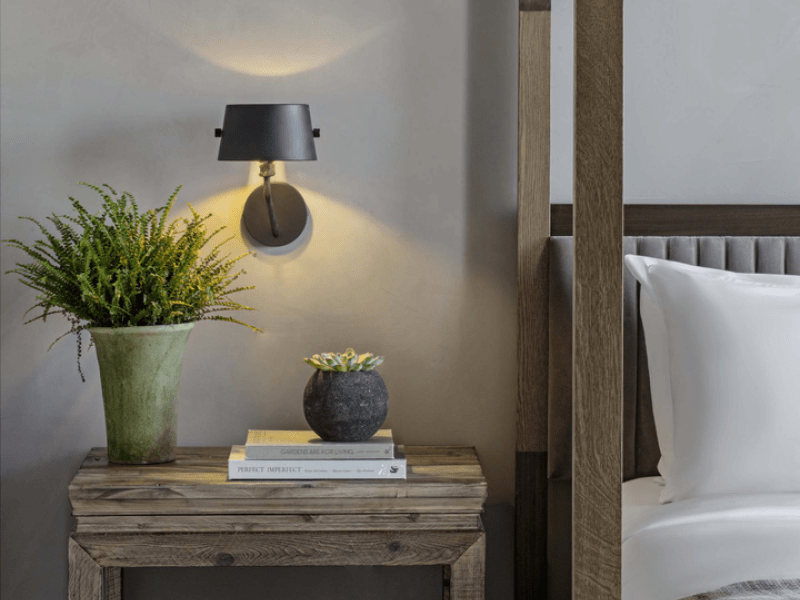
<point>730,343</point>
<point>658,366</point>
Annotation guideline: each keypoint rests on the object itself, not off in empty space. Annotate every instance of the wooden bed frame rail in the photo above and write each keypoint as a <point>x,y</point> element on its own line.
<point>533,221</point>
<point>597,332</point>
<point>695,219</point>
<point>597,303</point>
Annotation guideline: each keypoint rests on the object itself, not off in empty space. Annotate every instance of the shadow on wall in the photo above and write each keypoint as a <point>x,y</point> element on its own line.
<point>330,583</point>
<point>491,230</point>
<point>492,141</point>
<point>43,541</point>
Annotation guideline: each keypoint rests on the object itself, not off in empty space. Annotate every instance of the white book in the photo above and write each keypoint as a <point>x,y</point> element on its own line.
<point>240,467</point>
<point>278,445</point>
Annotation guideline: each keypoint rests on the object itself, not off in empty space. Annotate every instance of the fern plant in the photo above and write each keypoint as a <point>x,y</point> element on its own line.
<point>123,268</point>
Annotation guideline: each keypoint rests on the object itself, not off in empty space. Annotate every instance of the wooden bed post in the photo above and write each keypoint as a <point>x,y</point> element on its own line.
<point>533,232</point>
<point>597,309</point>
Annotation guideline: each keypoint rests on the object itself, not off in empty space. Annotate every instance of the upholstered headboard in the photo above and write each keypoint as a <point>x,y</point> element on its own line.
<point>640,447</point>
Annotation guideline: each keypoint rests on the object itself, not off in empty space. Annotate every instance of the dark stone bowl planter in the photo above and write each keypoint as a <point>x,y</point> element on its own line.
<point>140,373</point>
<point>345,406</point>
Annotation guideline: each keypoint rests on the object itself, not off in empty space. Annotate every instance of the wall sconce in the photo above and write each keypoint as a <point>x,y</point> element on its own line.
<point>274,214</point>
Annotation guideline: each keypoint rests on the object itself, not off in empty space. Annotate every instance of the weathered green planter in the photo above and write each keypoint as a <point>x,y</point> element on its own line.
<point>140,373</point>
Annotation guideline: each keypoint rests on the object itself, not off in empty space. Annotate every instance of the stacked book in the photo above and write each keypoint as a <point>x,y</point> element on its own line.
<point>302,455</point>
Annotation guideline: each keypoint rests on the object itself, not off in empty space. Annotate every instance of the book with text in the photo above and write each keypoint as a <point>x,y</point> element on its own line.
<point>240,467</point>
<point>271,445</point>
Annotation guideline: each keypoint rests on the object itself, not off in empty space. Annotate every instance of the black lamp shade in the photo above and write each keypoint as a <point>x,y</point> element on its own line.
<point>267,132</point>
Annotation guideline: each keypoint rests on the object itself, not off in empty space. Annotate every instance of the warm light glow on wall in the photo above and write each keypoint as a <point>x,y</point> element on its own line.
<point>276,58</point>
<point>339,230</point>
<point>279,39</point>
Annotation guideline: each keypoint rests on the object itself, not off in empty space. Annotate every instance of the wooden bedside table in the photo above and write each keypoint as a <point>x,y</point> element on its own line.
<point>187,514</point>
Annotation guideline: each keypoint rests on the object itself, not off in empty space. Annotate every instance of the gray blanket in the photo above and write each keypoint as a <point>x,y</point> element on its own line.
<point>786,589</point>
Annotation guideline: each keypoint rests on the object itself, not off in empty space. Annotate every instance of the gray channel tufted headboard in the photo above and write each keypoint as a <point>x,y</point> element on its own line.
<point>779,255</point>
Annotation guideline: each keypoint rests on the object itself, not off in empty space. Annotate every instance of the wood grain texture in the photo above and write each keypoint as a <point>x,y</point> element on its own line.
<point>695,220</point>
<point>465,579</point>
<point>530,526</point>
<point>116,505</point>
<point>112,583</point>
<point>85,575</point>
<point>533,229</point>
<point>597,321</point>
<point>533,274</point>
<point>440,479</point>
<point>278,549</point>
<point>267,523</point>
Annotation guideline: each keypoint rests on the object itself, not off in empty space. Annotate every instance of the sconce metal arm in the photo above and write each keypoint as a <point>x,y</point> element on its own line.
<point>267,170</point>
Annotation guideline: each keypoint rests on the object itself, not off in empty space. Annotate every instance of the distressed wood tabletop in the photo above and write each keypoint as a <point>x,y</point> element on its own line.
<point>441,479</point>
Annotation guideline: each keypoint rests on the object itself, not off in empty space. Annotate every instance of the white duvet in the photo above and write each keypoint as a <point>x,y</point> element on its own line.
<point>675,550</point>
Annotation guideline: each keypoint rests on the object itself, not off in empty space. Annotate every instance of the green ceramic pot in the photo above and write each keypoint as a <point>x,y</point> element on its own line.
<point>140,373</point>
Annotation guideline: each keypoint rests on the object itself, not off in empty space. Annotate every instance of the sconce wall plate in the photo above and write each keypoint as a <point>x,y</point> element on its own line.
<point>291,214</point>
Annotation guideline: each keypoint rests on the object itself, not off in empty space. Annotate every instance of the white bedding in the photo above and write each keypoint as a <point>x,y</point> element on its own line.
<point>671,551</point>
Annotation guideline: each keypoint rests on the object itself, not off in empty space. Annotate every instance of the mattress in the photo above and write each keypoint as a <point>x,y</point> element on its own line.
<point>675,550</point>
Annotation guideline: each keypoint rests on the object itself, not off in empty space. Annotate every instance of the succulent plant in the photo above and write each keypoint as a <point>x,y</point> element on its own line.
<point>348,361</point>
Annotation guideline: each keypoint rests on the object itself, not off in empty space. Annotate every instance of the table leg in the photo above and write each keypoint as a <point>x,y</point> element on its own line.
<point>465,579</point>
<point>90,581</point>
<point>112,583</point>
